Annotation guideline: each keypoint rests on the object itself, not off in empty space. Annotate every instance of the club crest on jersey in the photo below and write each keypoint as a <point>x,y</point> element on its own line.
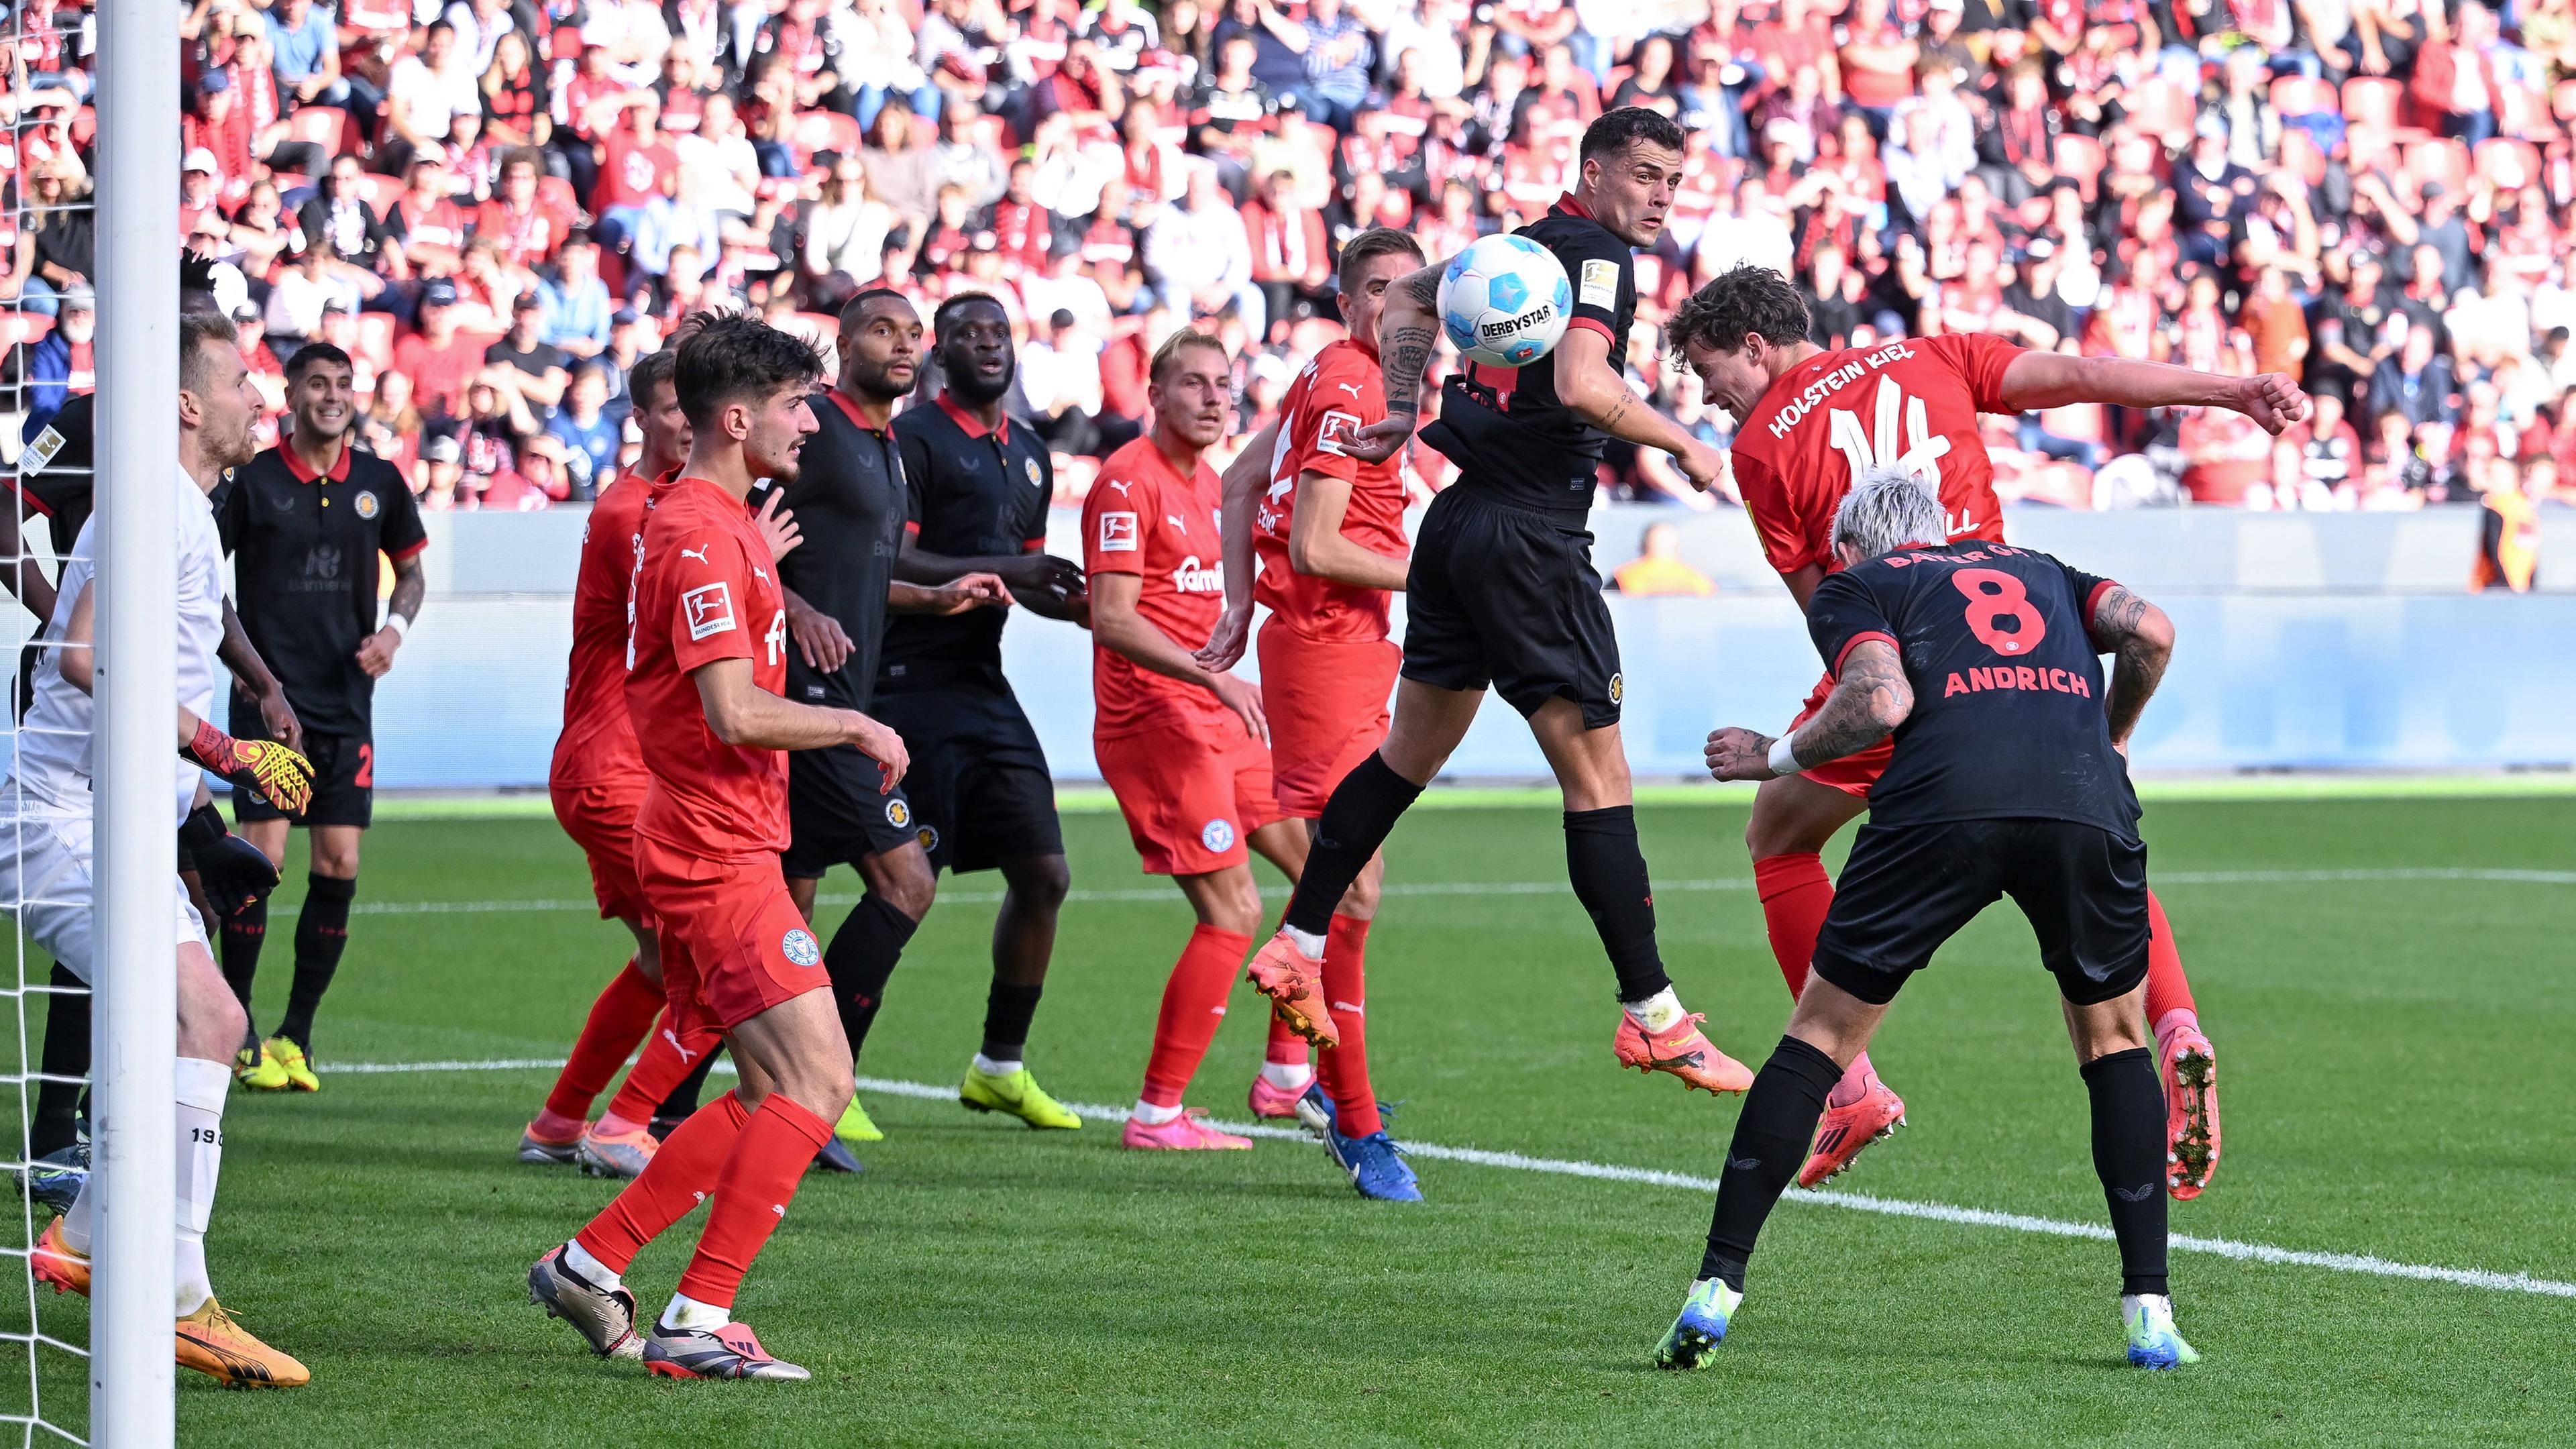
<point>367,506</point>
<point>1333,430</point>
<point>710,609</point>
<point>1031,464</point>
<point>1217,835</point>
<point>800,948</point>
<point>898,814</point>
<point>1118,533</point>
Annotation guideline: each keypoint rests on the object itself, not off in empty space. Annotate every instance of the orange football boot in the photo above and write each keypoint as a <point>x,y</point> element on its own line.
<point>2191,1112</point>
<point>1295,987</point>
<point>1683,1050</point>
<point>1844,1131</point>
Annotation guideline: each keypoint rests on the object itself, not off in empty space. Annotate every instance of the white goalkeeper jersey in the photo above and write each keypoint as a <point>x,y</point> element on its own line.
<point>54,763</point>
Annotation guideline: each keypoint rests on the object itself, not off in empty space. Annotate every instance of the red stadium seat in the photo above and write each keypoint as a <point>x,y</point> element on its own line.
<point>381,192</point>
<point>2165,111</point>
<point>2296,95</point>
<point>2437,163</point>
<point>319,126</point>
<point>2562,100</point>
<point>2082,158</point>
<point>2510,164</point>
<point>2523,110</point>
<point>2372,103</point>
<point>828,131</point>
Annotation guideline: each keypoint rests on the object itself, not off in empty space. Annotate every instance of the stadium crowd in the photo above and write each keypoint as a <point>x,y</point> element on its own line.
<point>497,206</point>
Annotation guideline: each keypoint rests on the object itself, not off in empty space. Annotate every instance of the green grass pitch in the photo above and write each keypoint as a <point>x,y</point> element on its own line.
<point>2394,1050</point>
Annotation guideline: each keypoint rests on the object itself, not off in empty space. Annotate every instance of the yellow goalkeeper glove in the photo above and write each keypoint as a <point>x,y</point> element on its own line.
<point>266,768</point>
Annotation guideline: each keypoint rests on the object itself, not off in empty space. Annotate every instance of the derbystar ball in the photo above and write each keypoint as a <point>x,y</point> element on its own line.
<point>1504,301</point>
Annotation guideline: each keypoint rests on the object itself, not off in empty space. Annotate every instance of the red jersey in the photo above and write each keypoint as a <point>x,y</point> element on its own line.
<point>1910,401</point>
<point>631,172</point>
<point>1338,394</point>
<point>704,591</point>
<point>1143,518</point>
<point>598,743</point>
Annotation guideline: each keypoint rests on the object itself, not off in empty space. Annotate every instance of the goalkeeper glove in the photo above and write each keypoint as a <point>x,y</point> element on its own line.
<point>235,874</point>
<point>266,768</point>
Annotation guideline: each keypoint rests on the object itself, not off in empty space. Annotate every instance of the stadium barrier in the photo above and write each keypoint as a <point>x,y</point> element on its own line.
<point>2327,641</point>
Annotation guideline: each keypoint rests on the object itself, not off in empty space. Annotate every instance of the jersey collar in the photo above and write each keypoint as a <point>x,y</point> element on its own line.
<point>296,470</point>
<point>973,426</point>
<point>1572,207</point>
<point>850,410</point>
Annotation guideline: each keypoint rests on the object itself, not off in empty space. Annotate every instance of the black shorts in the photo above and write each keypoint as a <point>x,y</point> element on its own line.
<point>1909,888</point>
<point>836,815</point>
<point>1506,597</point>
<point>344,783</point>
<point>979,783</point>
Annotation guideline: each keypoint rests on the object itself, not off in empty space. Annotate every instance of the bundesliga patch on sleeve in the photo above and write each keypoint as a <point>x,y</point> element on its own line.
<point>710,609</point>
<point>40,453</point>
<point>1334,431</point>
<point>1118,533</point>
<point>1600,285</point>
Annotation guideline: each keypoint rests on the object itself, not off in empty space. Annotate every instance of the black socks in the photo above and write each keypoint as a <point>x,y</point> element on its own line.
<point>1771,1138</point>
<point>1007,1012</point>
<point>56,1125</point>
<point>861,957</point>
<point>2129,1156</point>
<point>1356,821</point>
<point>1609,876</point>
<point>244,932</point>
<point>321,934</point>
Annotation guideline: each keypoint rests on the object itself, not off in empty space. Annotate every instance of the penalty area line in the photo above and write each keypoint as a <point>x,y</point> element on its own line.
<point>2361,1263</point>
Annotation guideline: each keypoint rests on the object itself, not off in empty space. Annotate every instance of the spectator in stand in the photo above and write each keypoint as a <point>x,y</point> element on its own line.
<point>2416,382</point>
<point>1199,257</point>
<point>391,427</point>
<point>1290,262</point>
<point>589,436</point>
<point>962,157</point>
<point>439,358</point>
<point>44,374</point>
<point>58,241</point>
<point>516,219</point>
<point>304,55</point>
<point>516,109</point>
<point>496,424</point>
<point>2317,463</point>
<point>1337,58</point>
<point>337,220</point>
<point>442,475</point>
<point>575,303</point>
<point>298,293</point>
<point>424,94</point>
<point>1059,378</point>
<point>1230,111</point>
<point>425,226</point>
<point>522,359</point>
<point>845,227</point>
<point>957,53</point>
<point>1660,569</point>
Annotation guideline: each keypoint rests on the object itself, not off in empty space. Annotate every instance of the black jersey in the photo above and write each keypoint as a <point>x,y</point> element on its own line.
<point>1505,427</point>
<point>55,472</point>
<point>974,492</point>
<point>2008,719</point>
<point>848,499</point>
<point>304,548</point>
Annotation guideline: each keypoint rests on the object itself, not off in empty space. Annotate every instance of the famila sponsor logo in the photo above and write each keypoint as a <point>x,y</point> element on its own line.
<point>1192,577</point>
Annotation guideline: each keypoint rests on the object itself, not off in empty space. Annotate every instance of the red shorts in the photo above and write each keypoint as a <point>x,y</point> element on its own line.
<point>1190,803</point>
<point>733,943</point>
<point>601,820</point>
<point>1852,774</point>
<point>1327,704</point>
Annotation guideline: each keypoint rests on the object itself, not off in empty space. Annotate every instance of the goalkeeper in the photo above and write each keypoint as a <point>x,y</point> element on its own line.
<point>46,859</point>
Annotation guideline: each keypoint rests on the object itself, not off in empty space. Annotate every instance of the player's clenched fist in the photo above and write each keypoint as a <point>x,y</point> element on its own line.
<point>2271,399</point>
<point>266,768</point>
<point>1739,754</point>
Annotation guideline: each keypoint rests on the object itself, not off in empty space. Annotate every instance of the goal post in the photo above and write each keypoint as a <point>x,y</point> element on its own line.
<point>135,1032</point>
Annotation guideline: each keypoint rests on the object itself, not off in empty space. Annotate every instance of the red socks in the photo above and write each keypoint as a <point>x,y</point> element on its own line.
<point>752,1192</point>
<point>678,1178</point>
<point>618,1021</point>
<point>1796,893</point>
<point>659,1072</point>
<point>1345,1067</point>
<point>2168,990</point>
<point>1286,1047</point>
<point>1193,1004</point>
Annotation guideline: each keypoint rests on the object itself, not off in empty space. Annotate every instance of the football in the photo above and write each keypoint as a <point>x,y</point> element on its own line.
<point>1504,301</point>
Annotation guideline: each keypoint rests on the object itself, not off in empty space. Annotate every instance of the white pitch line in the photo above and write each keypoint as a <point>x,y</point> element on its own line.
<point>2362,1263</point>
<point>1532,888</point>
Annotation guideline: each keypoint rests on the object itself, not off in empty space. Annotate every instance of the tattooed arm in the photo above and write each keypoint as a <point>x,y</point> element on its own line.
<point>2139,639</point>
<point>1408,329</point>
<point>1871,698</point>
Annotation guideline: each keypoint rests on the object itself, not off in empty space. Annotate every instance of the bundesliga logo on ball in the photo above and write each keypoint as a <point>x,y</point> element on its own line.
<point>1504,301</point>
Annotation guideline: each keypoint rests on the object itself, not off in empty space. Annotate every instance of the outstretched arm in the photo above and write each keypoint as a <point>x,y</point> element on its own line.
<point>1871,698</point>
<point>2037,380</point>
<point>2139,639</point>
<point>740,712</point>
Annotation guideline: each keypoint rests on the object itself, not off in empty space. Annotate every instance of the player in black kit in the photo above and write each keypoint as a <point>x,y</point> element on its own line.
<point>1502,593</point>
<point>305,521</point>
<point>849,499</point>
<point>2007,779</point>
<point>979,482</point>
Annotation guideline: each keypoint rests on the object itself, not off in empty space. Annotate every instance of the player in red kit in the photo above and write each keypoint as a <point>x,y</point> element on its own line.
<point>1329,533</point>
<point>706,660</point>
<point>597,781</point>
<point>1185,748</point>
<point>1809,421</point>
